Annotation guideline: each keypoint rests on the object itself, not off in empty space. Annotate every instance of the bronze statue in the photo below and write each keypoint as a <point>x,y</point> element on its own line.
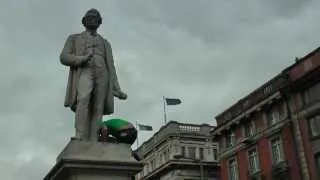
<point>92,82</point>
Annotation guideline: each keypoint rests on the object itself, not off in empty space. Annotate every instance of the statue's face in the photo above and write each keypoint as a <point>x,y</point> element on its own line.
<point>92,20</point>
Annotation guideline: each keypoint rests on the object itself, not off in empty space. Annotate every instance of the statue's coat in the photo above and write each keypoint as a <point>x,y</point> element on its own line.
<point>73,48</point>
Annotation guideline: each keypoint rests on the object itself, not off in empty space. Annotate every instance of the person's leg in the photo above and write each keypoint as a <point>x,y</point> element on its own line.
<point>132,136</point>
<point>136,156</point>
<point>128,136</point>
<point>98,99</point>
<point>84,90</point>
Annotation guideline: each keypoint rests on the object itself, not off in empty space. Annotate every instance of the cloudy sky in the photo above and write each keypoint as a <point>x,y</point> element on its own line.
<point>209,53</point>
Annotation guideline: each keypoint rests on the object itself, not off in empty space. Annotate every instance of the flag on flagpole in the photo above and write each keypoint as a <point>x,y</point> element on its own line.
<point>172,101</point>
<point>144,127</point>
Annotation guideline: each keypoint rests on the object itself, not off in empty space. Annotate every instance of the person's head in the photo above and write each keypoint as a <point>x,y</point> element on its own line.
<point>103,133</point>
<point>92,19</point>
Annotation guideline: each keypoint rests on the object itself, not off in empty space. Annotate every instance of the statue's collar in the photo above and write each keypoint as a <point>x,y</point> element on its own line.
<point>87,33</point>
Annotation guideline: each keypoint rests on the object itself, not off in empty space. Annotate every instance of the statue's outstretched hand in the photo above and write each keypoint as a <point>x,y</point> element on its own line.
<point>121,95</point>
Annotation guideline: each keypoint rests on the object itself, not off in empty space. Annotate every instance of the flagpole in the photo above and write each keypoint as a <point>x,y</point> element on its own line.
<point>164,111</point>
<point>137,134</point>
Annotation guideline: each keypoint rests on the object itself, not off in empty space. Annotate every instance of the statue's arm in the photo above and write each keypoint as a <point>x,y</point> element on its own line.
<point>116,85</point>
<point>67,56</point>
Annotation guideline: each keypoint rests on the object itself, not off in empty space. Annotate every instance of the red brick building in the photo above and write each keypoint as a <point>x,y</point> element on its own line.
<point>274,132</point>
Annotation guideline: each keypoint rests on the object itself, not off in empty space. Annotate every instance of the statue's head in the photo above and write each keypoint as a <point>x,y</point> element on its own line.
<point>92,19</point>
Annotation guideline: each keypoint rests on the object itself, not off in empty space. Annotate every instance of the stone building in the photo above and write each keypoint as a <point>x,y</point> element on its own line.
<point>180,151</point>
<point>274,132</point>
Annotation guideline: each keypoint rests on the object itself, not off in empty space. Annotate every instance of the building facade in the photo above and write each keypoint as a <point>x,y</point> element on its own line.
<point>180,151</point>
<point>303,94</point>
<point>273,133</point>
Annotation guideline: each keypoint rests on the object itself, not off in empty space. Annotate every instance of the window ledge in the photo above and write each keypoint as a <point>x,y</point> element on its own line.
<point>313,138</point>
<point>256,172</point>
<point>279,167</point>
<point>256,175</point>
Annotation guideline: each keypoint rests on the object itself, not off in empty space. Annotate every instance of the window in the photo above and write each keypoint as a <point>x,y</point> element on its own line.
<point>273,115</point>
<point>267,89</point>
<point>233,170</point>
<point>150,167</point>
<point>311,94</point>
<point>314,124</point>
<point>276,149</point>
<point>227,116</point>
<point>215,154</point>
<point>165,156</point>
<point>145,169</point>
<point>183,151</point>
<point>176,148</point>
<point>254,164</point>
<point>201,155</point>
<point>222,142</point>
<point>248,129</point>
<point>231,139</point>
<point>246,103</point>
<point>307,65</point>
<point>161,159</point>
<point>192,152</point>
<point>153,164</point>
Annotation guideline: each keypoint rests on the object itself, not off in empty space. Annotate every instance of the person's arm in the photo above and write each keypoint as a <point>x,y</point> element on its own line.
<point>67,56</point>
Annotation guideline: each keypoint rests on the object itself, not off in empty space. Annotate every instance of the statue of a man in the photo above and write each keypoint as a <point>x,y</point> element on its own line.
<point>92,82</point>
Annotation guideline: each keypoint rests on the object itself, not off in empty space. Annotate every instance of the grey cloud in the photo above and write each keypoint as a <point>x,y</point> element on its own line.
<point>286,8</point>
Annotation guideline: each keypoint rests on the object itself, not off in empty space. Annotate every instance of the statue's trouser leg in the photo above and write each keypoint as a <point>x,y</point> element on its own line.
<point>84,89</point>
<point>98,99</point>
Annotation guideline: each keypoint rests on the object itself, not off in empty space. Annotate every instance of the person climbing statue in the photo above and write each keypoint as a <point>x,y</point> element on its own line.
<point>121,131</point>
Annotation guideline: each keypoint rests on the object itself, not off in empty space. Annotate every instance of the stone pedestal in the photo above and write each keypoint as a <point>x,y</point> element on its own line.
<point>85,160</point>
